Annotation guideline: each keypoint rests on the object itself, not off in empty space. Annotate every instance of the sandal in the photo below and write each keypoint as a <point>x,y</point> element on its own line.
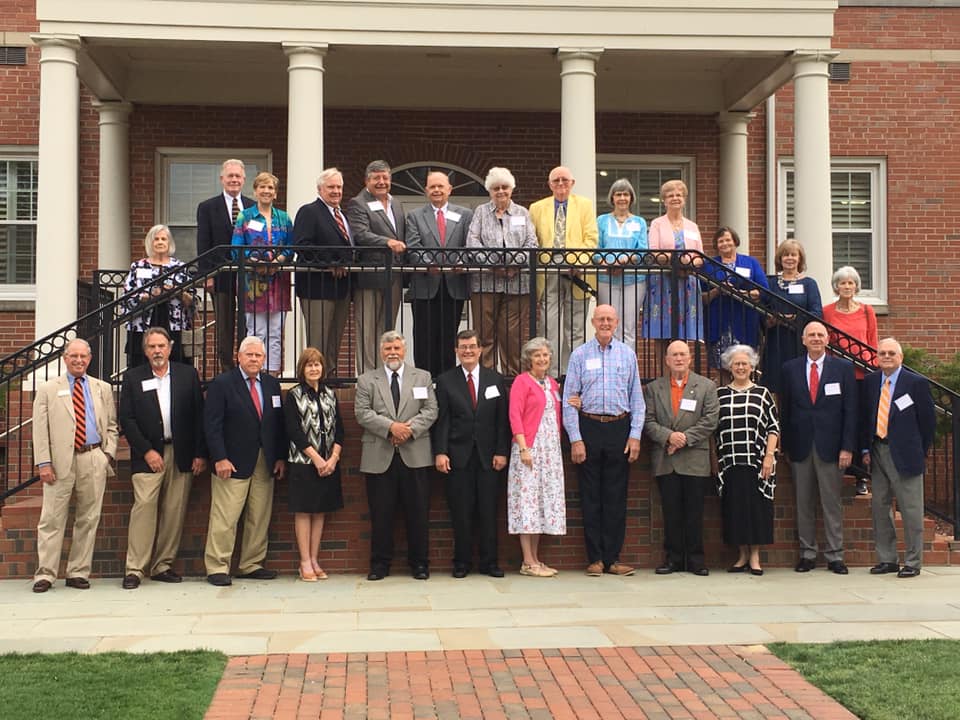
<point>308,575</point>
<point>318,571</point>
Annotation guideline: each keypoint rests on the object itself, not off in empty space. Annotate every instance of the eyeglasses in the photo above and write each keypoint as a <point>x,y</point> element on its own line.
<point>887,353</point>
<point>561,181</point>
<point>497,188</point>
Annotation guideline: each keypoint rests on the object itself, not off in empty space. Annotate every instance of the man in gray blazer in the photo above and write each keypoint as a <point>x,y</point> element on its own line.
<point>395,405</point>
<point>438,294</point>
<point>376,220</point>
<point>681,415</point>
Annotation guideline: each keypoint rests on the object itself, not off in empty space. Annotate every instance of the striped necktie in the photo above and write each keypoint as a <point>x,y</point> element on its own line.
<point>883,409</point>
<point>79,414</point>
<point>235,211</point>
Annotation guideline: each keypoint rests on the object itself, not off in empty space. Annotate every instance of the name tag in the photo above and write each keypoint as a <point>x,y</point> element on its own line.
<point>796,290</point>
<point>375,205</point>
<point>151,384</point>
<point>688,404</point>
<point>831,389</point>
<point>63,393</point>
<point>594,363</point>
<point>255,225</point>
<point>144,273</point>
<point>903,402</point>
<point>743,272</point>
<point>633,227</point>
<point>420,393</point>
<point>275,399</point>
<point>691,235</point>
<point>452,216</point>
<point>517,221</point>
<point>491,391</point>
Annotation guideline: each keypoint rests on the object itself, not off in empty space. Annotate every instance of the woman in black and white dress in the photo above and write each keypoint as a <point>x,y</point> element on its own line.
<point>747,437</point>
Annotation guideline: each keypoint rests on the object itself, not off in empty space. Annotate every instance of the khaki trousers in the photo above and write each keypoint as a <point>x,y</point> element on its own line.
<point>325,321</point>
<point>168,491</point>
<point>227,500</point>
<point>371,322</point>
<point>503,323</point>
<point>564,320</point>
<point>88,477</point>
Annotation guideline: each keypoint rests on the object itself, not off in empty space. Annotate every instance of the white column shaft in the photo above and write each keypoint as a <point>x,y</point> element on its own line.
<point>734,190</point>
<point>811,152</point>
<point>578,124</point>
<point>114,219</point>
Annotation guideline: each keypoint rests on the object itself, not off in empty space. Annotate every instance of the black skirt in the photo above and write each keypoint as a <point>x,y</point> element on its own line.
<point>747,515</point>
<point>309,493</point>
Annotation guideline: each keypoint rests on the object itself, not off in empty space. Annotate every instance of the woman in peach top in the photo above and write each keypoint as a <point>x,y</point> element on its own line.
<point>852,317</point>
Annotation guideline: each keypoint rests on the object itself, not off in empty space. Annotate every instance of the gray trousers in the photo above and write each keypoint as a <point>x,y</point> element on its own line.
<point>887,484</point>
<point>811,477</point>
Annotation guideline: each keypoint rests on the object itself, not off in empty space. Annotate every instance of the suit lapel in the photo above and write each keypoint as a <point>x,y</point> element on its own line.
<point>382,385</point>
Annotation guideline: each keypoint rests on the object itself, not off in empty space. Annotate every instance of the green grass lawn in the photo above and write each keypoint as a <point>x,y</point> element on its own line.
<point>111,686</point>
<point>884,680</point>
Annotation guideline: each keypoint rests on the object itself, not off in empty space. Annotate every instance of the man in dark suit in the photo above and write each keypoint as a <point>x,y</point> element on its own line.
<point>395,405</point>
<point>818,416</point>
<point>437,296</point>
<point>471,444</point>
<point>245,435</point>
<point>324,294</point>
<point>897,428</point>
<point>161,415</point>
<point>376,220</point>
<point>215,220</point>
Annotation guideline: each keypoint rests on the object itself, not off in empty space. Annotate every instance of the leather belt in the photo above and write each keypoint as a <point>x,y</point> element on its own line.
<point>605,418</point>
<point>168,442</point>
<point>882,441</point>
<point>86,448</point>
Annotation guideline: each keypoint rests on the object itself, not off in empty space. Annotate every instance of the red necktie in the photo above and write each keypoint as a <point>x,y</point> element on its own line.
<point>339,218</point>
<point>80,414</point>
<point>473,390</point>
<point>442,230</point>
<point>255,397</point>
<point>814,383</point>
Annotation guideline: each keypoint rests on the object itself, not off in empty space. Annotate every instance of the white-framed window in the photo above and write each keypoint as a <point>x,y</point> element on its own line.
<point>188,176</point>
<point>858,189</point>
<point>18,223</point>
<point>646,173</point>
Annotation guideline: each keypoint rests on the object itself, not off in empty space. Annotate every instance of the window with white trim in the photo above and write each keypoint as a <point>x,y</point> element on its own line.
<point>18,225</point>
<point>646,173</point>
<point>858,217</point>
<point>187,177</point>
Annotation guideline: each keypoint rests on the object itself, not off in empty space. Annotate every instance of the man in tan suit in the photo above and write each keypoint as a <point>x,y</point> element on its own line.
<point>74,442</point>
<point>681,415</point>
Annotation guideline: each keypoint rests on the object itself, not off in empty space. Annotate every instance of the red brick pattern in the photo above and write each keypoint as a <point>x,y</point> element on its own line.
<point>605,683</point>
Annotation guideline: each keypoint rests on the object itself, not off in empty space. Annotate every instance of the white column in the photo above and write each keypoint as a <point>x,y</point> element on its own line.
<point>58,224</point>
<point>304,122</point>
<point>811,152</point>
<point>113,252</point>
<point>578,122</point>
<point>734,191</point>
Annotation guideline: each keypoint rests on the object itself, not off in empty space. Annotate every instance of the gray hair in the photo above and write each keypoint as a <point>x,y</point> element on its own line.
<point>327,174</point>
<point>392,336</point>
<point>530,347</point>
<point>726,357</point>
<point>250,340</point>
<point>892,340</point>
<point>156,330</point>
<point>845,273</point>
<point>499,176</point>
<point>622,185</point>
<point>152,233</point>
<point>66,348</point>
<point>233,161</point>
<point>377,166</point>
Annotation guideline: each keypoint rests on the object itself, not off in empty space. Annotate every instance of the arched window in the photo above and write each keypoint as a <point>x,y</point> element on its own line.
<point>409,182</point>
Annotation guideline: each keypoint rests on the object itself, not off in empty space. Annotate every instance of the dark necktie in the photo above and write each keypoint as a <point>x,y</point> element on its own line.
<point>80,414</point>
<point>442,228</point>
<point>235,211</point>
<point>473,390</point>
<point>395,390</point>
<point>814,382</point>
<point>255,397</point>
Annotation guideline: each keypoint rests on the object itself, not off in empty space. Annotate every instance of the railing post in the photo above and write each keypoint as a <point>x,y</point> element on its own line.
<point>955,428</point>
<point>674,294</point>
<point>533,266</point>
<point>388,293</point>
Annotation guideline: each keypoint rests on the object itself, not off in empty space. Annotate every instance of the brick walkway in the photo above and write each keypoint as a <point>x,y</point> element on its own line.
<point>644,682</point>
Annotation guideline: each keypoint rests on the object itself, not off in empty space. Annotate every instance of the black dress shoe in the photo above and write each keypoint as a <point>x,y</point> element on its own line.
<point>699,571</point>
<point>837,566</point>
<point>42,586</point>
<point>862,487</point>
<point>130,582</point>
<point>756,571</point>
<point>493,571</point>
<point>884,568</point>
<point>78,583</point>
<point>667,568</point>
<point>907,572</point>
<point>737,569</point>
<point>805,565</point>
<point>460,571</point>
<point>420,572</point>
<point>375,575</point>
<point>167,576</point>
<point>219,579</point>
<point>260,573</point>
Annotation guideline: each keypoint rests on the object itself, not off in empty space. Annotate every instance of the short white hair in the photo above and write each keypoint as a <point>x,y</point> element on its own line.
<point>250,340</point>
<point>499,176</point>
<point>152,233</point>
<point>726,357</point>
<point>847,272</point>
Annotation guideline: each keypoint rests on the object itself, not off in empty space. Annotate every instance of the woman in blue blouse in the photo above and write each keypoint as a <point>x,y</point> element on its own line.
<point>783,339</point>
<point>729,321</point>
<point>620,285</point>
<point>266,291</point>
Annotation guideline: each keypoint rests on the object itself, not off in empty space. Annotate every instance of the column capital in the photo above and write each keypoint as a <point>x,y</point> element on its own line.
<point>817,56</point>
<point>304,48</point>
<point>734,122</point>
<point>592,54</point>
<point>45,40</point>
<point>113,111</point>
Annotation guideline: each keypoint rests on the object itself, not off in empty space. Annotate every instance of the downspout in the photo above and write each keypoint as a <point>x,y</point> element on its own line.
<point>770,110</point>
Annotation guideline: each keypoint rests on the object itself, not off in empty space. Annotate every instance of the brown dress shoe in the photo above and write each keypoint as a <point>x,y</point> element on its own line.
<point>619,568</point>
<point>130,582</point>
<point>79,583</point>
<point>595,569</point>
<point>42,586</point>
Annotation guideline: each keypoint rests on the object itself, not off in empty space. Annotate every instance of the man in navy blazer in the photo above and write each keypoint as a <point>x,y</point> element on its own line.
<point>818,411</point>
<point>215,221</point>
<point>245,435</point>
<point>161,415</point>
<point>324,294</point>
<point>896,429</point>
<point>471,445</point>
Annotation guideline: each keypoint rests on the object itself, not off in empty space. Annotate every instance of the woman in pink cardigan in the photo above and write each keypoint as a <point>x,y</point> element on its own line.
<point>535,490</point>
